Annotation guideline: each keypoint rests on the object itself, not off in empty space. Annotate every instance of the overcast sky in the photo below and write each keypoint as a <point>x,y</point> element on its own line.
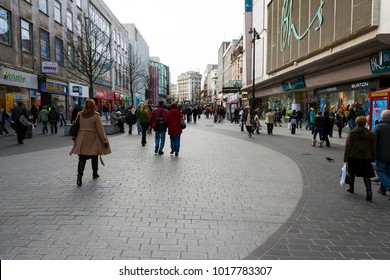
<point>184,34</point>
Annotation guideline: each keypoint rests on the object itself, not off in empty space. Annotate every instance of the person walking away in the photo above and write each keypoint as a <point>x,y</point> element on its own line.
<point>339,121</point>
<point>332,117</point>
<point>195,112</point>
<point>43,117</point>
<point>299,119</point>
<point>21,128</point>
<point>34,113</point>
<point>130,119</point>
<point>61,111</point>
<point>91,140</point>
<point>382,141</point>
<point>172,120</point>
<point>54,118</point>
<point>75,112</point>
<point>106,111</point>
<point>256,123</point>
<point>3,118</point>
<point>359,153</point>
<point>293,121</point>
<point>158,116</point>
<point>143,114</point>
<point>249,120</point>
<point>188,112</point>
<point>351,118</point>
<point>327,128</point>
<point>269,121</point>
<point>318,128</point>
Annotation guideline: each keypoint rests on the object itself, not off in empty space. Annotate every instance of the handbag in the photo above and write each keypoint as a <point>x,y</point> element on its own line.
<point>74,129</point>
<point>182,124</point>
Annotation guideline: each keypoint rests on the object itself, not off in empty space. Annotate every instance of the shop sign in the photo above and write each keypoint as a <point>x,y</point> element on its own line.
<point>54,88</point>
<point>118,96</point>
<point>294,84</point>
<point>18,78</point>
<point>103,94</point>
<point>38,99</point>
<point>49,67</point>
<point>78,90</point>
<point>231,89</point>
<point>369,84</point>
<point>376,63</point>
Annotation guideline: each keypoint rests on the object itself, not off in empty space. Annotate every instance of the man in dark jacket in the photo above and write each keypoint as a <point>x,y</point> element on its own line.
<point>20,122</point>
<point>382,140</point>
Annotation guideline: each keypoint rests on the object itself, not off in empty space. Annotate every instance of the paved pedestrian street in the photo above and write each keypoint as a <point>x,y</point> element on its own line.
<point>226,196</point>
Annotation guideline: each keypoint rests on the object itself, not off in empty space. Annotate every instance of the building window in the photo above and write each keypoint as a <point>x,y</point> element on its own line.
<point>69,20</point>
<point>78,3</point>
<point>78,27</point>
<point>26,33</point>
<point>5,26</point>
<point>59,50</point>
<point>44,42</point>
<point>57,11</point>
<point>70,56</point>
<point>43,6</point>
<point>28,1</point>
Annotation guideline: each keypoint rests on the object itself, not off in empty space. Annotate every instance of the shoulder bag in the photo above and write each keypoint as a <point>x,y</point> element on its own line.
<point>74,129</point>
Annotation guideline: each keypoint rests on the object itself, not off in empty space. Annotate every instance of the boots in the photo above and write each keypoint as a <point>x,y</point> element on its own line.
<point>367,183</point>
<point>95,162</point>
<point>321,144</point>
<point>351,184</point>
<point>80,172</point>
<point>313,143</point>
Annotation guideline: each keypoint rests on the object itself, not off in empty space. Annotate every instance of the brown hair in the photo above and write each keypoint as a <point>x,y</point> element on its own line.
<point>173,105</point>
<point>89,108</point>
<point>361,121</point>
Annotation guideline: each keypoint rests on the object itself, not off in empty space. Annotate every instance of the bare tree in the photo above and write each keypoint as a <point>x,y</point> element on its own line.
<point>88,50</point>
<point>137,72</point>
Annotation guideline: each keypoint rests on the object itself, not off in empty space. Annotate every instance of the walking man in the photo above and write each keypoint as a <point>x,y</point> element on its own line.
<point>158,116</point>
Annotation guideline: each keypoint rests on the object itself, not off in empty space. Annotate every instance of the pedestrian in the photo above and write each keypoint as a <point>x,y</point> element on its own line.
<point>21,126</point>
<point>195,113</point>
<point>75,112</point>
<point>269,121</point>
<point>310,117</point>
<point>130,119</point>
<point>34,113</point>
<point>318,128</point>
<point>249,120</point>
<point>359,154</point>
<point>188,112</point>
<point>91,140</point>
<point>116,119</point>
<point>106,111</point>
<point>256,123</point>
<point>332,117</point>
<point>143,115</point>
<point>339,121</point>
<point>54,118</point>
<point>61,111</point>
<point>382,141</point>
<point>327,128</point>
<point>160,129</point>
<point>351,118</point>
<point>293,121</point>
<point>3,119</point>
<point>299,119</point>
<point>242,119</point>
<point>43,117</point>
<point>172,120</point>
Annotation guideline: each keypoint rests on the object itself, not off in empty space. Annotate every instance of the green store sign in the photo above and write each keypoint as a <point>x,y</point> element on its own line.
<point>13,77</point>
<point>288,28</point>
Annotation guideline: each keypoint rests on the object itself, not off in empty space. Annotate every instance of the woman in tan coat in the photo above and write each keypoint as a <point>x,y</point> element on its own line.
<point>91,140</point>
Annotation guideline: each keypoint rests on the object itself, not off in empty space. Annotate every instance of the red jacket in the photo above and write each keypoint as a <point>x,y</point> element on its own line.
<point>172,119</point>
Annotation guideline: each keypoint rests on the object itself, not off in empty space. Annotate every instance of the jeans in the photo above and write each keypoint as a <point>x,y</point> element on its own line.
<point>159,140</point>
<point>106,116</point>
<point>144,127</point>
<point>351,124</point>
<point>53,127</point>
<point>383,171</point>
<point>319,131</point>
<point>44,127</point>
<point>175,142</point>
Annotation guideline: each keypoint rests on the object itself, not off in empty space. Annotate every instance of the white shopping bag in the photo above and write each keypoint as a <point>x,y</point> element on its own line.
<point>343,175</point>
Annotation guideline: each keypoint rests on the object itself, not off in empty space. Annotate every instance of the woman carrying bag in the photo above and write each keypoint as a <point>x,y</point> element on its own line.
<point>91,140</point>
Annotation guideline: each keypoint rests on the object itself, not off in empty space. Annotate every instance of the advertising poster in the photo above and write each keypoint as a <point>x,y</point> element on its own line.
<point>378,106</point>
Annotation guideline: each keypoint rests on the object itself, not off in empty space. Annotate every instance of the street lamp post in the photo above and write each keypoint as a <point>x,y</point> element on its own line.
<point>255,37</point>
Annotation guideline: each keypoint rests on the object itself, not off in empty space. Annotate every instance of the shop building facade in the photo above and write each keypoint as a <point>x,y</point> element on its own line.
<point>321,54</point>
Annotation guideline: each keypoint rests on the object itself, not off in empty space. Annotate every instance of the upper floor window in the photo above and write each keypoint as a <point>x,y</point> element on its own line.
<point>44,42</point>
<point>26,34</point>
<point>43,6</point>
<point>57,11</point>
<point>69,20</point>
<point>5,26</point>
<point>78,27</point>
<point>78,3</point>
<point>59,46</point>
<point>28,1</point>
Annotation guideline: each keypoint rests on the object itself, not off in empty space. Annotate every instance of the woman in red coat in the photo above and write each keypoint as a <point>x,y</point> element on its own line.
<point>172,119</point>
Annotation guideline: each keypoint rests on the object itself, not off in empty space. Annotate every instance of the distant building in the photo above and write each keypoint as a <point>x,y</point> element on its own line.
<point>189,87</point>
<point>159,81</point>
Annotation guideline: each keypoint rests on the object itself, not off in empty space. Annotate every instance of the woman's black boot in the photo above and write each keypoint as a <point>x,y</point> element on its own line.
<point>351,184</point>
<point>80,172</point>
<point>367,183</point>
<point>79,181</point>
<point>95,163</point>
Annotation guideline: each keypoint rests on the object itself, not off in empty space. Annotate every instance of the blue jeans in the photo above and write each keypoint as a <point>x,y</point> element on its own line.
<point>106,116</point>
<point>351,124</point>
<point>383,171</point>
<point>159,140</point>
<point>175,142</point>
<point>44,127</point>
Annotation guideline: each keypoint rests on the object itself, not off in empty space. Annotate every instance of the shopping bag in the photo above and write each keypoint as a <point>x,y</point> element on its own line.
<point>289,126</point>
<point>343,175</point>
